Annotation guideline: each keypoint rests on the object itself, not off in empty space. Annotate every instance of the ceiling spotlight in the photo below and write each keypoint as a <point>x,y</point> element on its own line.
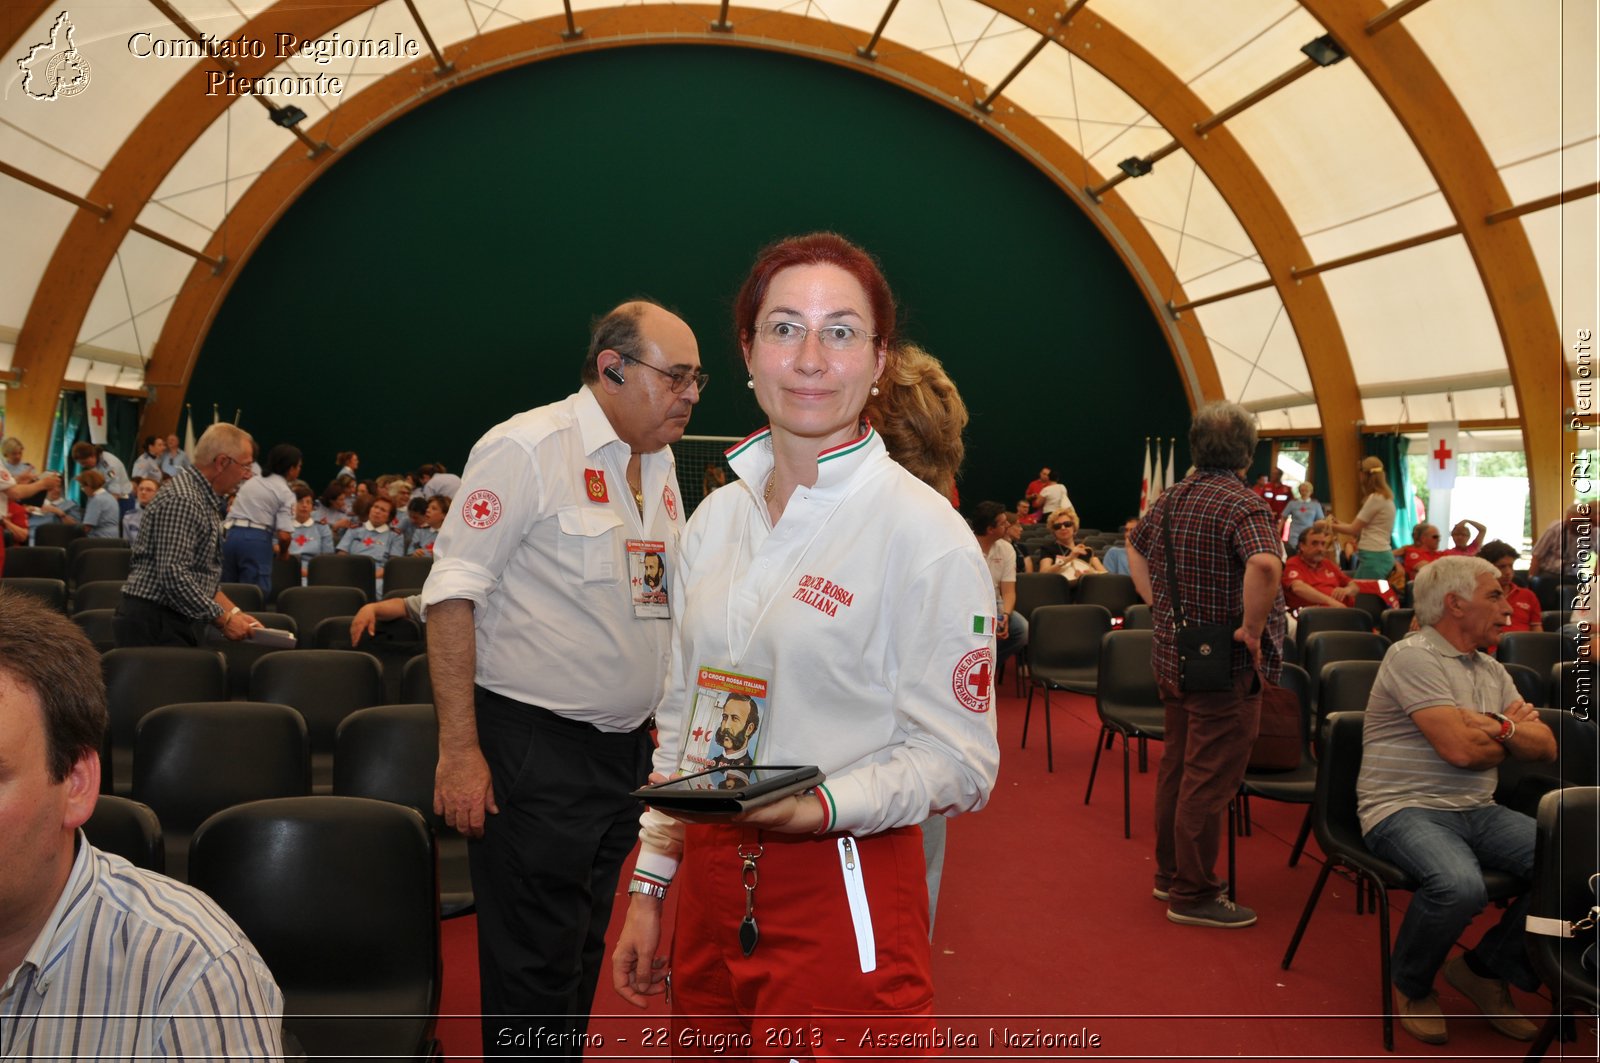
<point>287,116</point>
<point>1136,167</point>
<point>1325,51</point>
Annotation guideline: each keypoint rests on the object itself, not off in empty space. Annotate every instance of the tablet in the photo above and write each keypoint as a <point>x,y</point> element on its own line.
<point>729,790</point>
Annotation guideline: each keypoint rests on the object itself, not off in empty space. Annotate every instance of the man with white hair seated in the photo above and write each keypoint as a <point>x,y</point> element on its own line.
<point>1442,717</point>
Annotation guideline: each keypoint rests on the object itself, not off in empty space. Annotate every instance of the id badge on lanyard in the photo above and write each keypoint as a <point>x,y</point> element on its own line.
<point>647,578</point>
<point>726,720</point>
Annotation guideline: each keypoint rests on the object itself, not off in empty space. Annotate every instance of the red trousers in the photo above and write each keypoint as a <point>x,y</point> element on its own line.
<point>802,993</point>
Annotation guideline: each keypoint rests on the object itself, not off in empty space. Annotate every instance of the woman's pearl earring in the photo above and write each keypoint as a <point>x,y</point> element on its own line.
<point>874,389</point>
<point>750,382</point>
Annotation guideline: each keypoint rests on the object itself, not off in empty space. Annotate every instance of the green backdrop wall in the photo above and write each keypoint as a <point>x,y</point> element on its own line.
<point>442,276</point>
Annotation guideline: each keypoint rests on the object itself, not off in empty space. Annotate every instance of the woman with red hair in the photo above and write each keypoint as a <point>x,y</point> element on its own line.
<point>848,603</point>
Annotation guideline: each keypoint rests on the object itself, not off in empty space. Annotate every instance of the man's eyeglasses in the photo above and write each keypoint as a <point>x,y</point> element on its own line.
<point>833,337</point>
<point>228,459</point>
<point>681,376</point>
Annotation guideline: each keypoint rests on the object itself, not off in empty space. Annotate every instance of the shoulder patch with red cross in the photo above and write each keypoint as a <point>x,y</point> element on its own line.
<point>973,679</point>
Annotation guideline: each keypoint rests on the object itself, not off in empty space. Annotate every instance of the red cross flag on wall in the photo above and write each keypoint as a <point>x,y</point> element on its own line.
<point>95,397</point>
<point>1441,448</point>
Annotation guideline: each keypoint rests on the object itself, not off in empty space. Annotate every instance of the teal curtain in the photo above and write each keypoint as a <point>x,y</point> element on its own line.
<point>72,426</point>
<point>1391,450</point>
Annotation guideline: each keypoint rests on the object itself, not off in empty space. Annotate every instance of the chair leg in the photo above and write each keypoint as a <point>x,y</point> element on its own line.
<point>1305,916</point>
<point>1094,767</point>
<point>1233,815</point>
<point>1300,839</point>
<point>1382,904</point>
<point>1027,714</point>
<point>1127,802</point>
<point>1144,754</point>
<point>1246,827</point>
<point>1547,1036</point>
<point>1049,740</point>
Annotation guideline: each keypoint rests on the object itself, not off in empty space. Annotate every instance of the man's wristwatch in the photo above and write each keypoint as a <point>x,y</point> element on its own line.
<point>1507,728</point>
<point>222,621</point>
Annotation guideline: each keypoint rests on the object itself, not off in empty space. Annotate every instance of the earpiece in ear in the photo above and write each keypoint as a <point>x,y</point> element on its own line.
<point>615,373</point>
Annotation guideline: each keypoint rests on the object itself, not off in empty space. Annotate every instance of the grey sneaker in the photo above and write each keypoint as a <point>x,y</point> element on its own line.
<point>1218,912</point>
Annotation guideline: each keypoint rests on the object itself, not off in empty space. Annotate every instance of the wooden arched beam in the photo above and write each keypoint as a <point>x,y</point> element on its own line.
<point>1124,62</point>
<point>154,148</point>
<point>87,246</point>
<point>1430,113</point>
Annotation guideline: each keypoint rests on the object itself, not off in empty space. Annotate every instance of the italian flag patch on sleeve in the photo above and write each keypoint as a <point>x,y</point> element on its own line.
<point>982,625</point>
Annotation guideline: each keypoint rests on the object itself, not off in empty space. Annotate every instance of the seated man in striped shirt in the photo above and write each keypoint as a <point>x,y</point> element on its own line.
<point>100,959</point>
<point>1443,715</point>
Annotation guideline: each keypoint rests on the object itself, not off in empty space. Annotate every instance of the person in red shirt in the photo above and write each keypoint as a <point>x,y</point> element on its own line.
<point>1039,483</point>
<point>1274,492</point>
<point>1526,613</point>
<point>1310,578</point>
<point>1461,533</point>
<point>1424,548</point>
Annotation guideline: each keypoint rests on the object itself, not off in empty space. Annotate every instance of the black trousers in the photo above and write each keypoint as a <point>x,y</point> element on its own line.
<point>141,622</point>
<point>545,872</point>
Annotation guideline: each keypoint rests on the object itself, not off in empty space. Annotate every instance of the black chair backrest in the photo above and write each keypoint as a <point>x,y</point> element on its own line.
<point>99,594</point>
<point>1317,618</point>
<point>1036,589</point>
<point>1113,591</point>
<point>1572,684</point>
<point>344,570</point>
<point>285,574</point>
<point>1138,617</point>
<point>340,896</point>
<point>141,678</point>
<point>58,534</point>
<point>1295,678</point>
<point>1552,620</point>
<point>129,829</point>
<point>1395,624</point>
<point>1346,685</point>
<point>240,657</point>
<point>99,625</point>
<point>193,759</point>
<point>1533,687</point>
<point>1564,856</point>
<point>1325,647</point>
<point>388,753</point>
<point>1539,650</point>
<point>36,562</point>
<point>246,596</point>
<point>1066,636</point>
<point>393,644</point>
<point>97,564</point>
<point>325,685</point>
<point>416,684</point>
<point>406,574</point>
<point>310,606</point>
<point>52,592</point>
<point>1127,678</point>
<point>1521,784</point>
<point>1334,819</point>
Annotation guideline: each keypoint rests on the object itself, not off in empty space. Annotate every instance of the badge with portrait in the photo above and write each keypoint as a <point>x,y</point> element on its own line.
<point>647,578</point>
<point>724,725</point>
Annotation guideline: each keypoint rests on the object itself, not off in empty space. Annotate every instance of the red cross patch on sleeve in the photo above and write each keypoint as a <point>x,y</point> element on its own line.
<point>973,676</point>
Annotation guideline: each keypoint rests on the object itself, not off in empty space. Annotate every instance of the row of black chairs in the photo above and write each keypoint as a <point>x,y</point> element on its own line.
<point>193,759</point>
<point>324,685</point>
<point>341,897</point>
<point>99,575</point>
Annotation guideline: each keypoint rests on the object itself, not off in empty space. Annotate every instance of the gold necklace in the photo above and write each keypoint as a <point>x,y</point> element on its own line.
<point>766,492</point>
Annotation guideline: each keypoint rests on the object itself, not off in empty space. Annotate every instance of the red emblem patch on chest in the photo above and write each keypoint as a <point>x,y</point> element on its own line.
<point>972,679</point>
<point>481,509</point>
<point>670,500</point>
<point>594,482</point>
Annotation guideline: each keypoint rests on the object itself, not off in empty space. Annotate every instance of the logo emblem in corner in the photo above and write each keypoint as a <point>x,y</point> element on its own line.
<point>55,69</point>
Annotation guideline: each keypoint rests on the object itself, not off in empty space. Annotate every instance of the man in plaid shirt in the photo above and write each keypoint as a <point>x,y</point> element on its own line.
<point>174,586</point>
<point>1228,565</point>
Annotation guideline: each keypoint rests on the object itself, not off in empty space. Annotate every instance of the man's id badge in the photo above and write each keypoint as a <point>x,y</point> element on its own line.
<point>724,726</point>
<point>647,578</point>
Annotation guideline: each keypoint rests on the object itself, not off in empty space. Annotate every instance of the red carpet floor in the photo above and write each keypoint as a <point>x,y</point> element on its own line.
<point>1046,924</point>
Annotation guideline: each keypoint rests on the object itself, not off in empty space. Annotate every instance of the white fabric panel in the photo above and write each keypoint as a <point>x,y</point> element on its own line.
<point>1003,45</point>
<point>1414,311</point>
<point>1190,39</point>
<point>1509,78</point>
<point>144,276</point>
<point>1265,47</point>
<point>858,14</point>
<point>1257,353</point>
<point>1332,149</point>
<point>1564,242</point>
<point>1081,107</point>
<point>1195,229</point>
<point>449,21</point>
<point>1479,404</point>
<point>7,352</point>
<point>1427,213</point>
<point>31,225</point>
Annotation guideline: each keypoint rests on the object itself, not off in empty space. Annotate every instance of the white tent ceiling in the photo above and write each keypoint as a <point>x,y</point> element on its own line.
<point>1419,327</point>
